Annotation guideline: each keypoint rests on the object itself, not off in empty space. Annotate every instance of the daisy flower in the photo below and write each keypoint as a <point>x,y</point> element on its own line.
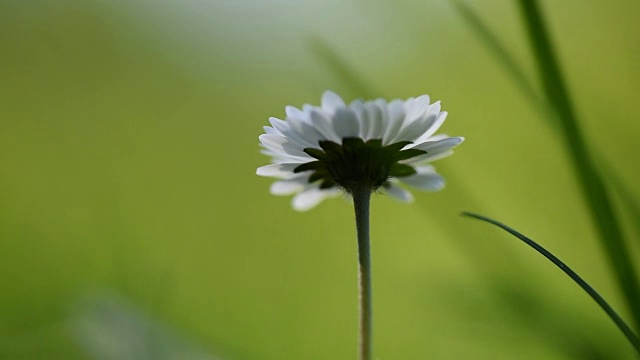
<point>320,152</point>
<point>359,148</point>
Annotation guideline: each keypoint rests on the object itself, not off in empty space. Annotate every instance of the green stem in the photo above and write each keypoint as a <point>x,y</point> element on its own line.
<point>593,188</point>
<point>361,201</point>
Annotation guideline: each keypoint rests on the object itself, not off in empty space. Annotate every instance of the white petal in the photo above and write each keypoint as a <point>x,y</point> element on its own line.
<point>323,125</point>
<point>439,145</point>
<point>296,150</point>
<point>301,128</point>
<point>345,123</point>
<point>284,158</point>
<point>304,131</point>
<point>415,108</point>
<point>425,179</point>
<point>411,131</point>
<point>331,101</point>
<point>433,109</point>
<point>273,142</point>
<point>412,120</point>
<point>294,112</point>
<point>428,157</point>
<point>280,125</point>
<point>435,149</point>
<point>363,122</point>
<point>439,120</point>
<point>288,187</point>
<point>281,146</point>
<point>374,115</point>
<point>434,138</point>
<point>285,130</point>
<point>270,130</point>
<point>277,170</point>
<point>310,198</point>
<point>395,118</point>
<point>397,192</point>
<point>307,109</point>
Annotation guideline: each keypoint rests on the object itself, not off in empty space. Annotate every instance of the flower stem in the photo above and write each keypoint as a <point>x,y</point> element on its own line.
<point>361,201</point>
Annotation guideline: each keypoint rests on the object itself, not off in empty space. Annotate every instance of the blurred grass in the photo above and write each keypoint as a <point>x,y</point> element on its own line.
<point>613,315</point>
<point>349,78</point>
<point>519,77</point>
<point>128,144</point>
<point>592,184</point>
<point>108,327</point>
<point>503,57</point>
<point>354,84</point>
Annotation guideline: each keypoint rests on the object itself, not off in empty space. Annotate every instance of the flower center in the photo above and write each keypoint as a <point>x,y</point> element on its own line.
<point>357,164</point>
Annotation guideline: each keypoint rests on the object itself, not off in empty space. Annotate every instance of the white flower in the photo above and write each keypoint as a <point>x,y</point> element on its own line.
<point>319,151</point>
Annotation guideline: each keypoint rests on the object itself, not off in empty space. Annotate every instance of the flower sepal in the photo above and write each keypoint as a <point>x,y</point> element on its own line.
<point>356,163</point>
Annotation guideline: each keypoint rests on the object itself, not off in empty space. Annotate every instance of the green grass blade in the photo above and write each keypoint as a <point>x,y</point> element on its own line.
<point>510,65</point>
<point>626,196</point>
<point>495,47</point>
<point>626,330</point>
<point>630,202</point>
<point>338,66</point>
<point>591,183</point>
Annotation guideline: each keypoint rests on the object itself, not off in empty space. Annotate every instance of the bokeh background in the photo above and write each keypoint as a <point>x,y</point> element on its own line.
<point>133,226</point>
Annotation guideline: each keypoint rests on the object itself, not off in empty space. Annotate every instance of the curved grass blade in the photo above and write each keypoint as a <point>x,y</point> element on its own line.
<point>517,74</point>
<point>628,333</point>
<point>591,182</point>
<point>508,62</point>
<point>357,85</point>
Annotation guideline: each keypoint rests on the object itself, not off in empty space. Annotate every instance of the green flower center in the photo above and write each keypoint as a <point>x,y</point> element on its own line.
<point>357,164</point>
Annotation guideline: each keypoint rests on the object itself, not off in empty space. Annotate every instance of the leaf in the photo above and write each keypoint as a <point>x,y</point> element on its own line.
<point>517,74</point>
<point>594,191</point>
<point>626,330</point>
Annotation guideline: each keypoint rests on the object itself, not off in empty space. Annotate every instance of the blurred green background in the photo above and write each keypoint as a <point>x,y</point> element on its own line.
<point>130,211</point>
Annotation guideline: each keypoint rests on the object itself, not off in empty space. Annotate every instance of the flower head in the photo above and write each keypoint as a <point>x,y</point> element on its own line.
<point>318,151</point>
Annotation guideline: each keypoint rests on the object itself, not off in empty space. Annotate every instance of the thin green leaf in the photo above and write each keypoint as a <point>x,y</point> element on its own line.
<point>591,183</point>
<point>517,74</point>
<point>626,196</point>
<point>626,330</point>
